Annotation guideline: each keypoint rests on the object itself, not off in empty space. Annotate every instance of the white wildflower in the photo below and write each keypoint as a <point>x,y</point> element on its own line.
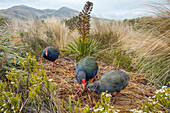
<point>149,99</point>
<point>162,90</point>
<point>2,109</point>
<point>5,111</point>
<point>154,96</point>
<point>140,111</point>
<point>166,94</point>
<point>133,110</point>
<point>33,59</point>
<point>4,105</point>
<point>98,109</point>
<point>34,85</point>
<point>112,107</point>
<point>163,87</point>
<point>157,91</point>
<point>95,110</point>
<point>101,109</point>
<point>12,107</point>
<point>50,80</point>
<point>154,102</point>
<point>38,78</point>
<point>12,82</point>
<point>118,110</point>
<point>108,95</point>
<point>165,97</point>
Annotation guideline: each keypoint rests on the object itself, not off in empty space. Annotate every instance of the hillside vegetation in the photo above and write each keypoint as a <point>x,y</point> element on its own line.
<point>140,46</point>
<point>25,13</point>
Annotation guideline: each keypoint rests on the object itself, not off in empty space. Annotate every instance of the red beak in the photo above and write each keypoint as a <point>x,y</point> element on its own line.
<point>46,52</point>
<point>83,83</point>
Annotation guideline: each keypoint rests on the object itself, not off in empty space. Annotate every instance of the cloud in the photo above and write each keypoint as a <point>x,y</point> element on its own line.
<point>113,9</point>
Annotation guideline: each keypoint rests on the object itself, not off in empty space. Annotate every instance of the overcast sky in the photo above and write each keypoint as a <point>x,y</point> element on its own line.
<point>111,9</point>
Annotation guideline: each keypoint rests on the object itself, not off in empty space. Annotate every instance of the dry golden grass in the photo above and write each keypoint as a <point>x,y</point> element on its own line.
<point>51,31</point>
<point>145,48</point>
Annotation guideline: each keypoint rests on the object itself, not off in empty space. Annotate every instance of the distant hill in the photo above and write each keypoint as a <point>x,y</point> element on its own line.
<point>25,13</point>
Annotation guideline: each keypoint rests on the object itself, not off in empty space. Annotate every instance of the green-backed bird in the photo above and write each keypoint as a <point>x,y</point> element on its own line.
<point>51,53</point>
<point>86,69</point>
<point>111,81</point>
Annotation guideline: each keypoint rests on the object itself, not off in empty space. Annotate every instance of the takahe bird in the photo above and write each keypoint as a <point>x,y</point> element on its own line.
<point>86,69</point>
<point>111,81</point>
<point>50,53</point>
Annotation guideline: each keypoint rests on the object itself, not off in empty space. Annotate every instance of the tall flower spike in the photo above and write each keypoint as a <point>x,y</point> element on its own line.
<point>83,24</point>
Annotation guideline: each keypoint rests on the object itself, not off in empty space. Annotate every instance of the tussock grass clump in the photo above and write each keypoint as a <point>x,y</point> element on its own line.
<point>111,51</point>
<point>162,12</point>
<point>133,50</point>
<point>151,54</point>
<point>37,35</point>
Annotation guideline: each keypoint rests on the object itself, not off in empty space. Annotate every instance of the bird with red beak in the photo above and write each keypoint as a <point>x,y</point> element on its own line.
<point>86,69</point>
<point>51,54</point>
<point>46,53</point>
<point>81,77</point>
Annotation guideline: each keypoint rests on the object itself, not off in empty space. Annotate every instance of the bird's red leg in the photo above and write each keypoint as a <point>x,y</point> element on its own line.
<point>53,63</point>
<point>117,94</point>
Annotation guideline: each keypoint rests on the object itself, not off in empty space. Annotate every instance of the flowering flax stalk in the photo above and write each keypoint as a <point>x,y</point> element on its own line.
<point>83,24</point>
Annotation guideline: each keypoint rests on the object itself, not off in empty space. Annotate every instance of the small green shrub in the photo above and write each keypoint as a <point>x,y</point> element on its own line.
<point>10,52</point>
<point>28,89</point>
<point>159,103</point>
<point>9,102</point>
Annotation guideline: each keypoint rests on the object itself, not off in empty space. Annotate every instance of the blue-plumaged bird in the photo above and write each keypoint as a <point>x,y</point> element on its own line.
<point>86,69</point>
<point>50,53</point>
<point>111,81</point>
